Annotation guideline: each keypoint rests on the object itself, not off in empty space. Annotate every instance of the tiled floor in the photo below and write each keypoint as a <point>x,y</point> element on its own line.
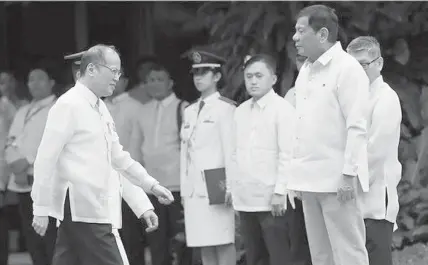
<point>20,259</point>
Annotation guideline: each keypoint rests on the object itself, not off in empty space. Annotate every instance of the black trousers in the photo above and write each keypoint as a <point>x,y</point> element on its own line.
<point>270,240</point>
<point>40,248</point>
<point>378,241</point>
<point>297,236</point>
<point>88,243</point>
<point>133,236</point>
<point>265,238</point>
<point>161,242</point>
<point>4,236</point>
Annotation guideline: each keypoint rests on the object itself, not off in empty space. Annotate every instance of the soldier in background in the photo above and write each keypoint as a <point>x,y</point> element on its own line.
<point>75,64</point>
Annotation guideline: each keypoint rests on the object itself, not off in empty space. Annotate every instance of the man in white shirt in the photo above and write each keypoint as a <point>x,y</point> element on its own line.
<point>79,149</point>
<point>9,104</point>
<point>156,143</point>
<point>380,204</point>
<point>24,138</point>
<point>329,166</point>
<point>264,127</point>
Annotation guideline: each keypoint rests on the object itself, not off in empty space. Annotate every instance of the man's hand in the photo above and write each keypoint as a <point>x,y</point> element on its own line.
<point>151,220</point>
<point>22,178</point>
<point>347,189</point>
<point>228,199</point>
<point>291,195</point>
<point>278,204</point>
<point>19,166</point>
<point>40,224</point>
<point>163,194</point>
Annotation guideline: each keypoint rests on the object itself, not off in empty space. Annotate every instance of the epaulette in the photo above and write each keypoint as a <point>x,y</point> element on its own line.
<point>228,100</point>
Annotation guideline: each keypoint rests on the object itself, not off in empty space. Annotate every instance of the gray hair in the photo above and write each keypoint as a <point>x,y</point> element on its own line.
<point>95,55</point>
<point>366,44</point>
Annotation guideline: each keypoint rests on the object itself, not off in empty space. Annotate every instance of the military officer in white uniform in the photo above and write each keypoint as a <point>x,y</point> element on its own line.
<point>207,144</point>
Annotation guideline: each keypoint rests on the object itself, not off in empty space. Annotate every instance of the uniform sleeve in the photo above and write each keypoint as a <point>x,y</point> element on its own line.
<point>353,95</point>
<point>286,127</point>
<point>58,131</point>
<point>228,143</point>
<point>136,198</point>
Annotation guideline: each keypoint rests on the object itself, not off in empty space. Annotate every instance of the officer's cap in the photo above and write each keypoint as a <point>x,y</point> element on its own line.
<point>75,57</point>
<point>205,57</point>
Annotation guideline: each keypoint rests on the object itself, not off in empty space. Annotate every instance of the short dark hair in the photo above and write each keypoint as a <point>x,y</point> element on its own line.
<point>321,16</point>
<point>9,72</point>
<point>264,58</point>
<point>47,65</point>
<point>157,67</point>
<point>95,55</point>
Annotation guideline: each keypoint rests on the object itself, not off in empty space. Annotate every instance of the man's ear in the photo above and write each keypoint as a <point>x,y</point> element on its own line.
<point>171,83</point>
<point>217,76</point>
<point>323,33</point>
<point>274,79</point>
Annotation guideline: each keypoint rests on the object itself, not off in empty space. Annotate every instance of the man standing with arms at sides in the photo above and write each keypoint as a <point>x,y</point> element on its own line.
<point>156,143</point>
<point>72,171</point>
<point>381,202</point>
<point>264,127</point>
<point>9,104</point>
<point>329,165</point>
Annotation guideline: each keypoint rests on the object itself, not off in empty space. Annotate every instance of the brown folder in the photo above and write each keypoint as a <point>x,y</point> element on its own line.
<point>215,180</point>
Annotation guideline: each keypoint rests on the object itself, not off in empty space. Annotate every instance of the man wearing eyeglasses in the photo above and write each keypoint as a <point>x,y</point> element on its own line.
<point>381,202</point>
<point>73,167</point>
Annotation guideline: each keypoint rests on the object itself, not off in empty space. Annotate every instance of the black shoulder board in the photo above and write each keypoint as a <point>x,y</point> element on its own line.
<point>228,100</point>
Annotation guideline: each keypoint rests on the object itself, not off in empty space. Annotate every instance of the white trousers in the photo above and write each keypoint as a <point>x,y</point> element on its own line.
<point>120,246</point>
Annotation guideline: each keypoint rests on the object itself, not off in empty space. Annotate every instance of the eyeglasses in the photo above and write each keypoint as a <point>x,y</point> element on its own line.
<point>116,72</point>
<point>365,65</point>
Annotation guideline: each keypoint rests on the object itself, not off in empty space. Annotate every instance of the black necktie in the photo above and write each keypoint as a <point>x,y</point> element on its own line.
<point>201,105</point>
